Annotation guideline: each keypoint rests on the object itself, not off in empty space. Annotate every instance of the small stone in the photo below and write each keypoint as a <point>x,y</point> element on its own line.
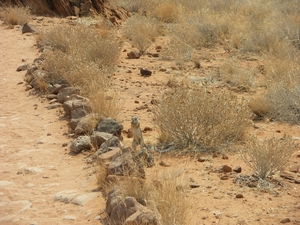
<point>145,73</point>
<point>238,169</point>
<point>297,181</point>
<point>285,220</point>
<point>201,159</point>
<point>224,156</point>
<point>133,55</point>
<point>97,217</point>
<point>147,129</point>
<point>23,67</point>
<point>28,87</point>
<point>194,185</point>
<point>225,177</point>
<point>64,145</point>
<point>69,217</point>
<point>54,106</point>
<point>129,133</point>
<point>27,28</point>
<point>136,101</point>
<point>162,163</point>
<point>226,169</point>
<point>51,96</point>
<point>239,196</point>
<point>20,83</point>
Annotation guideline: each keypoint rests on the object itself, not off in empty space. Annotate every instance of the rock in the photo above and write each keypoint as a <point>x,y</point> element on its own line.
<point>84,198</point>
<point>133,55</point>
<point>146,158</point>
<point>65,93</point>
<point>129,133</point>
<point>107,156</point>
<point>65,196</point>
<point>126,164</point>
<point>147,129</point>
<point>86,124</point>
<point>162,163</point>
<point>286,175</point>
<point>285,220</point>
<point>238,169</point>
<point>69,217</point>
<point>28,87</point>
<point>81,143</point>
<point>85,7</point>
<point>294,168</point>
<point>111,126</point>
<point>39,77</point>
<point>194,185</point>
<point>201,159</point>
<point>23,67</point>
<point>27,28</point>
<point>108,145</point>
<point>51,96</point>
<point>98,138</point>
<point>128,211</point>
<point>54,106</point>
<point>145,73</point>
<point>4,183</point>
<point>226,169</point>
<point>239,196</point>
<point>297,181</point>
<point>225,177</point>
<point>56,88</point>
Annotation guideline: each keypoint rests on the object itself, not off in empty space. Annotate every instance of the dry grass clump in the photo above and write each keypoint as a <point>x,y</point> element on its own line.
<point>165,195</point>
<point>142,31</point>
<point>200,118</point>
<point>235,75</point>
<point>15,15</point>
<point>267,157</point>
<point>167,12</point>
<point>83,58</point>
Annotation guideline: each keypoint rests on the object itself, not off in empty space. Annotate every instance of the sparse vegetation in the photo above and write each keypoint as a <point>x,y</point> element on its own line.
<point>200,118</point>
<point>141,31</point>
<point>83,58</point>
<point>15,15</point>
<point>266,157</point>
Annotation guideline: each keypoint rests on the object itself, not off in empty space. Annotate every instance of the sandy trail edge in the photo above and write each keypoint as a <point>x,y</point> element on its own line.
<point>34,166</point>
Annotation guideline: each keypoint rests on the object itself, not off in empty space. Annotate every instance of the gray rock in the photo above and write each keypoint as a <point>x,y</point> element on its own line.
<point>109,155</point>
<point>65,93</point>
<point>23,67</point>
<point>71,105</point>
<point>56,88</point>
<point>27,28</point>
<point>84,198</point>
<point>98,138</point>
<point>86,124</point>
<point>111,126</point>
<point>69,217</point>
<point>65,196</point>
<point>81,143</point>
<point>54,105</point>
<point>108,145</point>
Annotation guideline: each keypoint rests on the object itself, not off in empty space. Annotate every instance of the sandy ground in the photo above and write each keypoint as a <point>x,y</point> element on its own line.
<point>38,175</point>
<point>34,166</point>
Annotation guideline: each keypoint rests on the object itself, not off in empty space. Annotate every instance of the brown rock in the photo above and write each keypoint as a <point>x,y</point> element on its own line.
<point>129,133</point>
<point>162,163</point>
<point>294,168</point>
<point>239,196</point>
<point>226,169</point>
<point>287,175</point>
<point>225,177</point>
<point>23,67</point>
<point>238,169</point>
<point>133,55</point>
<point>194,185</point>
<point>147,129</point>
<point>27,28</point>
<point>145,73</point>
<point>285,220</point>
<point>201,159</point>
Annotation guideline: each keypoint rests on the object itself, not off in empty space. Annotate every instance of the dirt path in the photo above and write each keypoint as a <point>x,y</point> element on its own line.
<point>35,169</point>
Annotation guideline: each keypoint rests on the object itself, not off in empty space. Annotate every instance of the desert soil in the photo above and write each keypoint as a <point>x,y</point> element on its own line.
<point>39,177</point>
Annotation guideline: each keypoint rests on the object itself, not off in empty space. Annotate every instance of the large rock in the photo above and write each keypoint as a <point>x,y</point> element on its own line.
<point>128,211</point>
<point>126,164</point>
<point>81,143</point>
<point>98,138</point>
<point>111,126</point>
<point>109,145</point>
<point>86,124</point>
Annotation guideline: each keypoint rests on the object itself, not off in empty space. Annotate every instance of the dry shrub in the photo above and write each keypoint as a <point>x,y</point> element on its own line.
<point>178,51</point>
<point>163,193</point>
<point>167,12</point>
<point>200,118</point>
<point>142,31</point>
<point>134,6</point>
<point>15,15</point>
<point>267,157</point>
<point>236,76</point>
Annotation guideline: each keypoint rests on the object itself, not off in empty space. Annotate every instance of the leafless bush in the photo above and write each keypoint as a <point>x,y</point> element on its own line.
<point>267,157</point>
<point>201,118</point>
<point>167,12</point>
<point>15,15</point>
<point>142,31</point>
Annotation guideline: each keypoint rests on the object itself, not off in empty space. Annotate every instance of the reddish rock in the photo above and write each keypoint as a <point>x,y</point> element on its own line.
<point>226,169</point>
<point>238,169</point>
<point>239,196</point>
<point>294,168</point>
<point>285,220</point>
